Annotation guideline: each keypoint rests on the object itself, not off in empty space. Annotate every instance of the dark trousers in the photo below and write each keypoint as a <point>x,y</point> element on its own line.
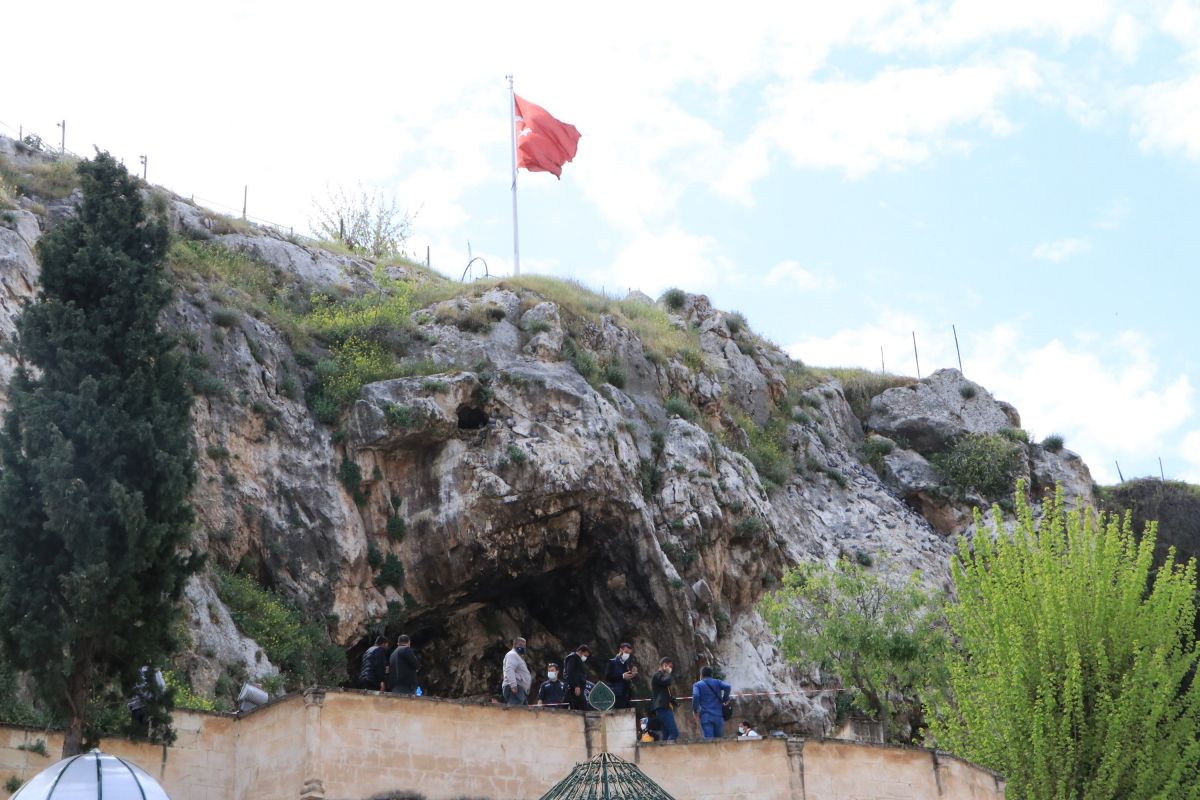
<point>404,688</point>
<point>670,731</point>
<point>577,702</point>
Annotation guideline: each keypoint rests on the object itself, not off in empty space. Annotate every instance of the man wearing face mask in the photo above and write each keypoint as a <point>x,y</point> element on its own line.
<point>662,704</point>
<point>553,692</point>
<point>575,676</point>
<point>619,675</point>
<point>517,679</point>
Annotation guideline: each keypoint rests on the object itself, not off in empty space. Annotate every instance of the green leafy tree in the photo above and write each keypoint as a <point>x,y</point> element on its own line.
<point>1074,675</point>
<point>881,638</point>
<point>97,459</point>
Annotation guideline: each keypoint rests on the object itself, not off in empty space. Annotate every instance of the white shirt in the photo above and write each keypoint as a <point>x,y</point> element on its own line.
<point>749,734</point>
<point>516,671</point>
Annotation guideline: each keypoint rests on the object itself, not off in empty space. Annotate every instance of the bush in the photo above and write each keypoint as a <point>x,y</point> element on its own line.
<point>355,363</point>
<point>1015,435</point>
<point>391,573</point>
<point>680,407</point>
<point>225,317</point>
<point>207,384</point>
<point>434,386</point>
<point>396,527</point>
<point>736,322</point>
<point>874,448</point>
<point>402,416</point>
<point>983,463</point>
<point>300,648</point>
<point>582,359</point>
<point>216,452</point>
<point>967,391</point>
<point>52,180</point>
<point>615,375</point>
<point>184,696</point>
<point>768,450</point>
<point>351,477</point>
<point>674,299</point>
<point>1053,443</point>
<point>368,317</point>
<point>749,527</point>
<point>516,455</point>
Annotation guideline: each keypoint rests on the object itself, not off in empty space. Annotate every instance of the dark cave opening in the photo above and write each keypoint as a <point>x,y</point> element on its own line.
<point>471,418</point>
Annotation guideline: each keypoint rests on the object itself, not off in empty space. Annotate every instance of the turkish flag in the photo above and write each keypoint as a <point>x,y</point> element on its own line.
<point>544,144</point>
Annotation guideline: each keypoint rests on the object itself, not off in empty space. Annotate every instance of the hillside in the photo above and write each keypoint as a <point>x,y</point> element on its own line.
<point>384,448</point>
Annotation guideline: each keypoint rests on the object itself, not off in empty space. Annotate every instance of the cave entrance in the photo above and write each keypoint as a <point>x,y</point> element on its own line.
<point>471,418</point>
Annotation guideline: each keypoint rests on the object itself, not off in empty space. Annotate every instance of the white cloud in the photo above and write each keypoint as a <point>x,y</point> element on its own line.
<point>1167,116</point>
<point>1061,250</point>
<point>1189,451</point>
<point>1115,214</point>
<point>1126,37</point>
<point>790,274</point>
<point>898,117</point>
<point>1105,394</point>
<point>652,263</point>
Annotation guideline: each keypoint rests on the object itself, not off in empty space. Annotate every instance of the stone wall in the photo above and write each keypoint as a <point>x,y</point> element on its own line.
<point>358,745</point>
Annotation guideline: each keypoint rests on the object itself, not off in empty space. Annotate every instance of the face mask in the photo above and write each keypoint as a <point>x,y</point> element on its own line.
<point>624,656</point>
<point>521,651</point>
<point>583,658</point>
<point>741,731</point>
<point>667,670</point>
<point>552,676</point>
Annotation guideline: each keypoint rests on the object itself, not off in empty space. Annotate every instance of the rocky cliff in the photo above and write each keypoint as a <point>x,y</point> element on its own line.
<point>531,459</point>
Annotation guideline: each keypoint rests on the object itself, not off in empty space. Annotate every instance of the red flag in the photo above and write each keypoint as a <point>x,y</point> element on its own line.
<point>544,144</point>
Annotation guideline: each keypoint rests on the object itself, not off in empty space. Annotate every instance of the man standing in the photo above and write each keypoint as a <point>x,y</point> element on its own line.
<point>517,680</point>
<point>374,666</point>
<point>619,674</point>
<point>553,692</point>
<point>575,676</point>
<point>709,696</point>
<point>662,704</point>
<point>404,667</point>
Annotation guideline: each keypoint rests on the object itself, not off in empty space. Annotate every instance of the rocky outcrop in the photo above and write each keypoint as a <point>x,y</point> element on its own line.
<point>519,488</point>
<point>930,414</point>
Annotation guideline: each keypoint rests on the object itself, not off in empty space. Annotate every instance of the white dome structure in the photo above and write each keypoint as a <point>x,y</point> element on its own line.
<point>92,776</point>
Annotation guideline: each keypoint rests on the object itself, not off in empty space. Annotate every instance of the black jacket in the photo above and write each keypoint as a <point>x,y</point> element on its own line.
<point>553,693</point>
<point>374,666</point>
<point>660,687</point>
<point>613,673</point>
<point>405,665</point>
<point>574,674</point>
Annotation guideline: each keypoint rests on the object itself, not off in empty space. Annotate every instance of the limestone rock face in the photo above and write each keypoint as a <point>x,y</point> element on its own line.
<point>19,232</point>
<point>511,495</point>
<point>929,414</point>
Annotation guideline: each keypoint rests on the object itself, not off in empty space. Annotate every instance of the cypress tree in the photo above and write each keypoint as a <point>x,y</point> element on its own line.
<point>97,459</point>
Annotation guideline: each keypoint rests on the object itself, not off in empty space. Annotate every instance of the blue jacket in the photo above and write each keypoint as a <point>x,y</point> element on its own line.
<point>707,696</point>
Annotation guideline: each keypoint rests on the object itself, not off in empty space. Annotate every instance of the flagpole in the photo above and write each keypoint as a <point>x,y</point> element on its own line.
<point>512,130</point>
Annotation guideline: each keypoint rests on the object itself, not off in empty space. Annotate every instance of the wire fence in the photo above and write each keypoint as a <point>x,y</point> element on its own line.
<point>33,139</point>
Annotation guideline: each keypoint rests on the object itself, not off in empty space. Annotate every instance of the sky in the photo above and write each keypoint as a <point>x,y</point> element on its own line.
<point>848,175</point>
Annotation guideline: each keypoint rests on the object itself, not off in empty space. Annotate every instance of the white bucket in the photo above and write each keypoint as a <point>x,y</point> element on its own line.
<point>253,696</point>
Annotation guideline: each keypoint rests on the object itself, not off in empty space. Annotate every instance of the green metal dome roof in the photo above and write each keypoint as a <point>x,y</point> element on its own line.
<point>606,777</point>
